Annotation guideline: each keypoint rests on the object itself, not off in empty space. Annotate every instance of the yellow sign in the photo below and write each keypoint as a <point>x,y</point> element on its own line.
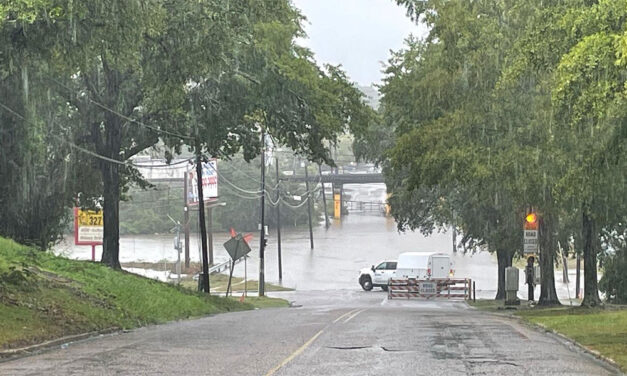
<point>88,227</point>
<point>89,218</point>
<point>337,206</point>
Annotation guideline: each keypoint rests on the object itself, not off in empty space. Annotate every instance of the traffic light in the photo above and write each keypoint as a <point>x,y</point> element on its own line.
<point>531,221</point>
<point>265,242</point>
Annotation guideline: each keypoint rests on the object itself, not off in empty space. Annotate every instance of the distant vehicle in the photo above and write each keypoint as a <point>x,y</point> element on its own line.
<point>377,276</point>
<point>418,265</point>
<point>424,265</point>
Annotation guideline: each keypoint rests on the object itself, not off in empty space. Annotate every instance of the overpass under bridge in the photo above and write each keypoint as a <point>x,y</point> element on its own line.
<point>338,181</point>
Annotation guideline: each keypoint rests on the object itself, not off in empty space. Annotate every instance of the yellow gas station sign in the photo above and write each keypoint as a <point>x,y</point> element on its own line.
<point>88,227</point>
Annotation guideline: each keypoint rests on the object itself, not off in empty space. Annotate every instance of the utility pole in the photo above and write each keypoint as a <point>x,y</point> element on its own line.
<point>324,199</point>
<point>186,219</point>
<point>210,233</point>
<point>262,236</point>
<point>578,278</point>
<point>309,207</point>
<point>529,278</point>
<point>201,220</point>
<point>278,217</point>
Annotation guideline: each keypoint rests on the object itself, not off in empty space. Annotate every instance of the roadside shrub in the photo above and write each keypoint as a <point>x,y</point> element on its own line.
<point>614,280</point>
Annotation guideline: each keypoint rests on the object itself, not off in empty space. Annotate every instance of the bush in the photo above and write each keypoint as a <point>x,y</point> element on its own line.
<point>614,280</point>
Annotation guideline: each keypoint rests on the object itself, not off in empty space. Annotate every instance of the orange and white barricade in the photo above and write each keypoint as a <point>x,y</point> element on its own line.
<point>410,288</point>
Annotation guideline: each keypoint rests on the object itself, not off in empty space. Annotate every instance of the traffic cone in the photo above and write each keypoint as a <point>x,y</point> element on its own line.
<point>241,299</point>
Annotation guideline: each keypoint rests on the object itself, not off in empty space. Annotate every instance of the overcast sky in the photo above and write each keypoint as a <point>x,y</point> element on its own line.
<point>358,34</point>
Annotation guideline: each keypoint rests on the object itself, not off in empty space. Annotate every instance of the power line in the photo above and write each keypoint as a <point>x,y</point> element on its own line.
<point>165,165</point>
<point>155,129</point>
<point>71,144</point>
<point>87,151</point>
<point>231,184</point>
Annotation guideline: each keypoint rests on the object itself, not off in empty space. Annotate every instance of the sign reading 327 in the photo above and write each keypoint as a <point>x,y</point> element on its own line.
<point>88,227</point>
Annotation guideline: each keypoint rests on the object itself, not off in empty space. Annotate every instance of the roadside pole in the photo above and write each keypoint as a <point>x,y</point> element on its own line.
<point>529,277</point>
<point>578,278</point>
<point>186,219</point>
<point>278,217</point>
<point>245,276</point>
<point>262,235</point>
<point>311,242</point>
<point>530,250</point>
<point>324,200</point>
<point>210,232</point>
<point>201,220</point>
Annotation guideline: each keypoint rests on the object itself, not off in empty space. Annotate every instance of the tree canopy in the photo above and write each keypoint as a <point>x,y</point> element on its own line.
<point>505,108</point>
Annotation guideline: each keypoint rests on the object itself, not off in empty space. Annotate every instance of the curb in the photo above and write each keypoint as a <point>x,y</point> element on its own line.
<point>11,354</point>
<point>541,328</point>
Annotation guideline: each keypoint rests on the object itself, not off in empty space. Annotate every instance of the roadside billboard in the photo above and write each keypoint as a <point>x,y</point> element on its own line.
<point>209,183</point>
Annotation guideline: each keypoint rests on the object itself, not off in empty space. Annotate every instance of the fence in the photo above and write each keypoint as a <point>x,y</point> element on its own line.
<point>429,289</point>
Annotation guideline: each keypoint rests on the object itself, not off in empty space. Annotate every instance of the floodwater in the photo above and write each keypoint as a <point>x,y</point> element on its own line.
<point>357,241</point>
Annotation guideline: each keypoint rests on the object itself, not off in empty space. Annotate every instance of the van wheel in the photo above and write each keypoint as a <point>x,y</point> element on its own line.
<point>366,283</point>
<point>384,287</point>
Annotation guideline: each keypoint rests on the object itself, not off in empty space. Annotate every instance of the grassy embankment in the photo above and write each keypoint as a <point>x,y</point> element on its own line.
<point>600,330</point>
<point>44,297</point>
<point>218,281</point>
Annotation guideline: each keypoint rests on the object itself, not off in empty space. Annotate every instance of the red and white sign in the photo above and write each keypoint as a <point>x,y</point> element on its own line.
<point>209,183</point>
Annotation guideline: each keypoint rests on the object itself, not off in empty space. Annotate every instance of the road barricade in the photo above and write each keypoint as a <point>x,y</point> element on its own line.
<point>448,288</point>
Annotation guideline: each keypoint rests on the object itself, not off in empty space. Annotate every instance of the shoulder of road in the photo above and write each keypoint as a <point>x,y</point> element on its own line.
<point>45,298</point>
<point>601,331</point>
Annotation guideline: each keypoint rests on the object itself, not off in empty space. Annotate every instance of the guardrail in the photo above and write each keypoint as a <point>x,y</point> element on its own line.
<point>221,267</point>
<point>429,288</point>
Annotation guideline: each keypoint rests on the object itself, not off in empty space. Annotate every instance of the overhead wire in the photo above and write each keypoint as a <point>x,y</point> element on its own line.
<point>135,121</point>
<point>69,143</point>
<point>127,163</point>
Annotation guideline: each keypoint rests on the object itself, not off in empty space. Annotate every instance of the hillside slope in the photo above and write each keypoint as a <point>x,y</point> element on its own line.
<point>44,297</point>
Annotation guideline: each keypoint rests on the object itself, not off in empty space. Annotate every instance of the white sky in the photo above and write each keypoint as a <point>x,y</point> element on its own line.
<point>358,34</point>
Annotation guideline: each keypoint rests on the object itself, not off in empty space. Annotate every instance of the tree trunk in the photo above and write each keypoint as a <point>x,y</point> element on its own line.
<point>590,283</point>
<point>110,145</point>
<point>504,259</point>
<point>111,243</point>
<point>548,244</point>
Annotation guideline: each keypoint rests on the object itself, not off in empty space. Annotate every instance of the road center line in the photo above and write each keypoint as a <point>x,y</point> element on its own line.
<point>344,315</point>
<point>294,354</point>
<point>355,314</point>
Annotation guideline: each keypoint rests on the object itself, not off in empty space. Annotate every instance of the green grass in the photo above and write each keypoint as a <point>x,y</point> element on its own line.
<point>43,297</point>
<point>602,330</point>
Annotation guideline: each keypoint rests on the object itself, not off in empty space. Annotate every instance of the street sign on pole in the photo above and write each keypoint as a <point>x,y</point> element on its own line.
<point>237,247</point>
<point>530,245</point>
<point>530,234</point>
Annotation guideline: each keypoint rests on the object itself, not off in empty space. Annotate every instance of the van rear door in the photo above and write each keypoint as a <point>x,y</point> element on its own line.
<point>440,266</point>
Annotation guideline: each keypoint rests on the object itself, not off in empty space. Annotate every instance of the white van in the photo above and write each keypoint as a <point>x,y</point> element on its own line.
<point>424,265</point>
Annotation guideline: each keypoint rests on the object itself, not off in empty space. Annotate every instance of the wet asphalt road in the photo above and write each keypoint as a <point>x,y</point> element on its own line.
<point>340,332</point>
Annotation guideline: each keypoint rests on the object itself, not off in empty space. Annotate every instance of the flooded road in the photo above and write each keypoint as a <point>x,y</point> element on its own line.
<point>357,241</point>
